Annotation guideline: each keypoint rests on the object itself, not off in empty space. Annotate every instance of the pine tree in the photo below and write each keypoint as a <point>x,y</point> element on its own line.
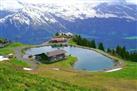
<point>101,47</point>
<point>108,50</point>
<point>57,34</point>
<point>93,44</point>
<point>118,50</point>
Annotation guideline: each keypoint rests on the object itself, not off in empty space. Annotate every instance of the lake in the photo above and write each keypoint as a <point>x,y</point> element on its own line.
<point>87,59</point>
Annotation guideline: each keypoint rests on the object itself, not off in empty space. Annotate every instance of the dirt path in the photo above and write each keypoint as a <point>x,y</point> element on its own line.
<point>19,55</point>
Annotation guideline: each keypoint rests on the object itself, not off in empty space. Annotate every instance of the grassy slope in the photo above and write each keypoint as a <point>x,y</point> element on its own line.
<point>128,72</point>
<point>13,78</point>
<point>9,49</point>
<point>1,40</point>
<point>123,80</point>
<point>71,42</point>
<point>17,62</point>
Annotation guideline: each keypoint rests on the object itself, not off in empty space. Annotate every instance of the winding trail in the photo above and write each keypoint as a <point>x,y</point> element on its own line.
<point>19,55</point>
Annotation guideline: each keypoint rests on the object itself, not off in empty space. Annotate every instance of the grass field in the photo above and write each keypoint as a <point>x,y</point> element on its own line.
<point>10,48</point>
<point>17,62</point>
<point>13,78</point>
<point>71,42</point>
<point>125,79</point>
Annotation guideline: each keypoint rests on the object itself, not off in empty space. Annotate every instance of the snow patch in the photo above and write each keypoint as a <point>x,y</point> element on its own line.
<point>28,69</point>
<point>114,70</point>
<point>2,58</point>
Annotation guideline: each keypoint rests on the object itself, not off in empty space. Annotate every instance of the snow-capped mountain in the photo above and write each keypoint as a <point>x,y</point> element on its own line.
<point>72,11</point>
<point>33,21</point>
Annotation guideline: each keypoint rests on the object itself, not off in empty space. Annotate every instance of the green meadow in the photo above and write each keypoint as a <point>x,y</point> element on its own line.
<point>46,78</point>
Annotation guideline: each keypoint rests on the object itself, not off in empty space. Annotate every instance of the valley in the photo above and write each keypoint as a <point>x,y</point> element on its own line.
<point>61,76</point>
<point>68,45</point>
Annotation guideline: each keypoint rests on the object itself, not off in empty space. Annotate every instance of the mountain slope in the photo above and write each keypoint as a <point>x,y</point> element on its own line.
<point>35,22</point>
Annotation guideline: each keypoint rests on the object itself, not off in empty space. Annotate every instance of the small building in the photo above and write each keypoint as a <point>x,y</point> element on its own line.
<point>51,56</point>
<point>67,34</point>
<point>56,55</point>
<point>58,40</point>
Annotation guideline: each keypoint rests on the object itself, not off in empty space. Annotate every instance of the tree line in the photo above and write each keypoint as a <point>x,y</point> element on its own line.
<point>118,51</point>
<point>3,41</point>
<point>123,53</point>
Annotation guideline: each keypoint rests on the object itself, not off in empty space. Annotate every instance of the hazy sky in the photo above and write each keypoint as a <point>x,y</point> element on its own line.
<point>13,4</point>
<point>94,1</point>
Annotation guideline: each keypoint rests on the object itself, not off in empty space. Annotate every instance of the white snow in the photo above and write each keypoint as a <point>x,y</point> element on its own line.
<point>56,69</point>
<point>2,58</point>
<point>41,11</point>
<point>114,70</point>
<point>28,69</point>
<point>18,4</point>
<point>9,5</point>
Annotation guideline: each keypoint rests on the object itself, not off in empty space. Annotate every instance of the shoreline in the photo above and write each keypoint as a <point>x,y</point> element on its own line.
<point>118,63</point>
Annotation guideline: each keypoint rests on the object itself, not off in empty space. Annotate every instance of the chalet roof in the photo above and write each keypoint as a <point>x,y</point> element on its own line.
<point>58,39</point>
<point>55,53</point>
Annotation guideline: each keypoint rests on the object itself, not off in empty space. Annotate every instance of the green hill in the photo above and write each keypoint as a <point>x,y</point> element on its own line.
<point>14,78</point>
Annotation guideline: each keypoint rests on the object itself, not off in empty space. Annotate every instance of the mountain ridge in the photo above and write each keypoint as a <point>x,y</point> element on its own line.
<point>40,21</point>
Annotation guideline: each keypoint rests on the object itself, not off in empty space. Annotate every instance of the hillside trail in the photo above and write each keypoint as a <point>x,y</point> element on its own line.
<point>19,55</point>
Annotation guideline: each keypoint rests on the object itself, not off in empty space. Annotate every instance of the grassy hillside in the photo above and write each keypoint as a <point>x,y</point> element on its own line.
<point>123,80</point>
<point>13,78</point>
<point>10,48</point>
<point>1,40</point>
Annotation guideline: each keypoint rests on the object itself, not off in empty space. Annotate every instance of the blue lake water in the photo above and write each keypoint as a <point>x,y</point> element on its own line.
<point>87,59</point>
